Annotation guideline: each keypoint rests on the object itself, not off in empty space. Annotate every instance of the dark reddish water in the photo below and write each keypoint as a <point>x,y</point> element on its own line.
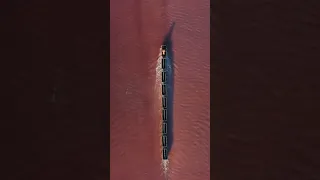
<point>55,63</point>
<point>266,97</point>
<point>137,31</point>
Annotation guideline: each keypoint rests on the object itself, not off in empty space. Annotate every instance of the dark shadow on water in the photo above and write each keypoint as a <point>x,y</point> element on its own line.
<point>170,83</point>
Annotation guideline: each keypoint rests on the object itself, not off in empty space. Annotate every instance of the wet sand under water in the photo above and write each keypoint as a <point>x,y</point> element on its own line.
<point>136,35</point>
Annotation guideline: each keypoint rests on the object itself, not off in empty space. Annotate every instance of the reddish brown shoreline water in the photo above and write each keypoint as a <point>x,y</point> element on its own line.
<point>137,31</point>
